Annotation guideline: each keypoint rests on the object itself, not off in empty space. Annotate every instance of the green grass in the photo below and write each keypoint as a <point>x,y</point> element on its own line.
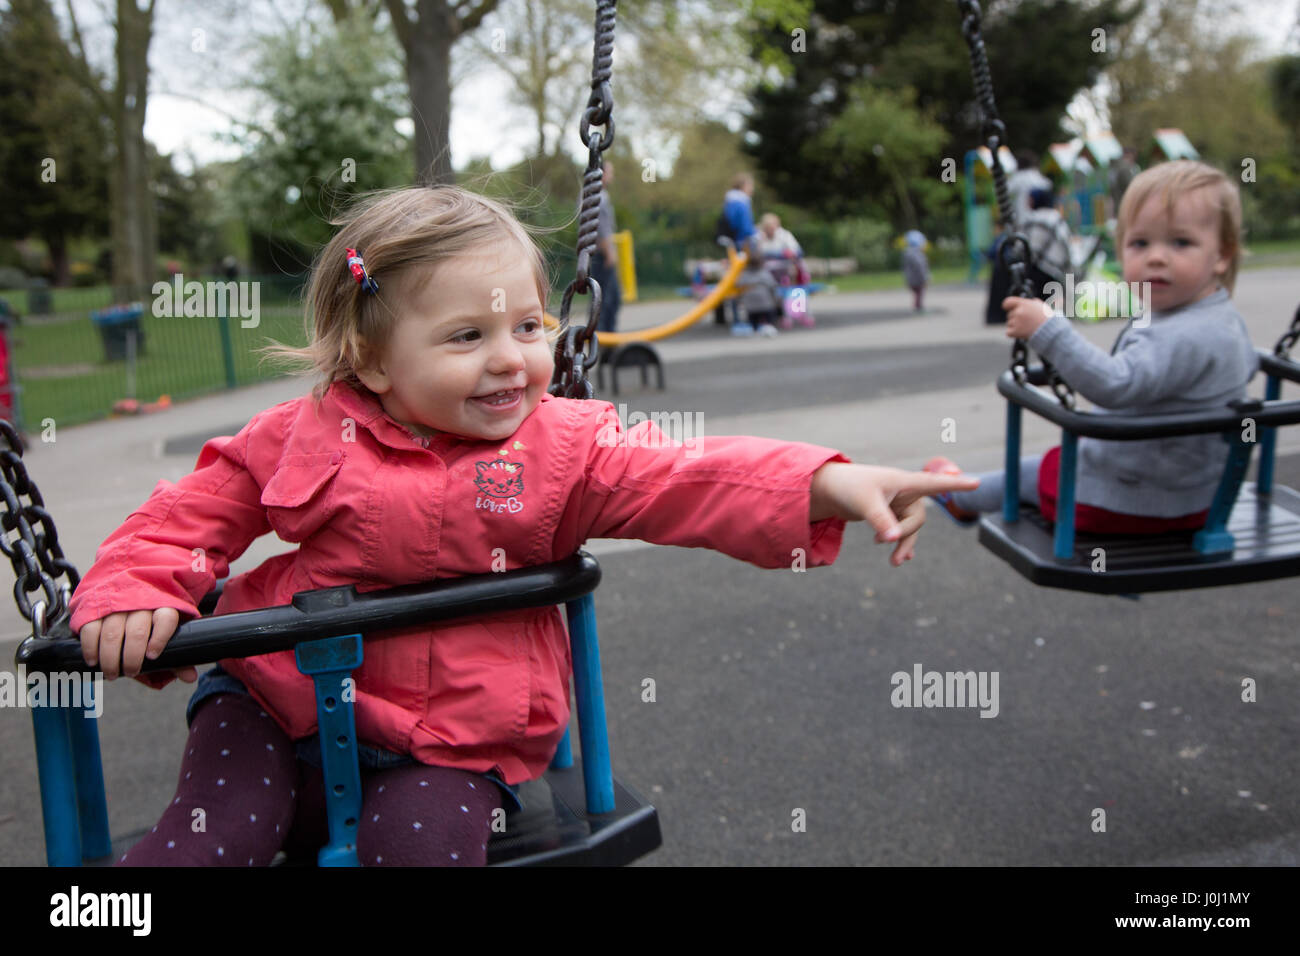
<point>65,374</point>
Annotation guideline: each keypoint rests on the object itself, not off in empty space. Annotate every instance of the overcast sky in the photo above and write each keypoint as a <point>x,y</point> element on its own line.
<point>183,79</point>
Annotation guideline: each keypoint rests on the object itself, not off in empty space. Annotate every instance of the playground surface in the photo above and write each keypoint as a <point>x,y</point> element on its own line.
<point>773,738</point>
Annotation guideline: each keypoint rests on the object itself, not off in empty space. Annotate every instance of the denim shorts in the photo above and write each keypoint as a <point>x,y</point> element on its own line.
<point>218,681</point>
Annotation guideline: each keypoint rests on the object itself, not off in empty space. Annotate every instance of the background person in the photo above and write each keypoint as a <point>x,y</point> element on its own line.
<point>1049,241</point>
<point>604,261</point>
<point>736,222</point>
<point>916,267</point>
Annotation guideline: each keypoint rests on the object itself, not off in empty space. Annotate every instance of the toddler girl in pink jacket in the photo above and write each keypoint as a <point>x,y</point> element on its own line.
<point>428,449</point>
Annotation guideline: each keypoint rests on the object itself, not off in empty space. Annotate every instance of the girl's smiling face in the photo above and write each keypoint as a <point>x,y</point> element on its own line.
<point>468,354</point>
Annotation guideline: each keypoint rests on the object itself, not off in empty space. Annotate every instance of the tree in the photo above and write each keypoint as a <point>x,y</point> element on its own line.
<point>1181,55</point>
<point>885,125</point>
<point>918,45</point>
<point>186,206</point>
<point>54,149</point>
<point>676,63</point>
<point>335,95</point>
<point>545,50</point>
<point>134,230</point>
<point>427,33</point>
<point>1173,60</point>
<point>1284,85</point>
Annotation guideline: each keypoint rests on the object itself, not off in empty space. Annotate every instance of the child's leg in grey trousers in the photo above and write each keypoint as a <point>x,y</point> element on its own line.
<point>988,496</point>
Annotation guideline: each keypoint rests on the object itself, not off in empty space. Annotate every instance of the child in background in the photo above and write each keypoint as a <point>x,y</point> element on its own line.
<point>1179,234</point>
<point>916,268</point>
<point>760,296</point>
<point>429,448</point>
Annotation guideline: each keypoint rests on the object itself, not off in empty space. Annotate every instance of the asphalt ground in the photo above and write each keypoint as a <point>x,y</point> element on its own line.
<point>772,738</point>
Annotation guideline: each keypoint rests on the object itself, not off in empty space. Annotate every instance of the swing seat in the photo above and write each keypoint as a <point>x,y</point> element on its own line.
<point>1266,535</point>
<point>577,814</point>
<point>1252,533</point>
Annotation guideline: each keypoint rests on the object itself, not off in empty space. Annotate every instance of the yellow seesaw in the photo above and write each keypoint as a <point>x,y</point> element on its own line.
<point>726,285</point>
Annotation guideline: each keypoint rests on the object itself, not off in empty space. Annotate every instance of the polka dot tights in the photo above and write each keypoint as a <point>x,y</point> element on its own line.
<point>243,796</point>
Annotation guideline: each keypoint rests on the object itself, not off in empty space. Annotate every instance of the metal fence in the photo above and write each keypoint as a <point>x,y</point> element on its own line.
<point>75,353</point>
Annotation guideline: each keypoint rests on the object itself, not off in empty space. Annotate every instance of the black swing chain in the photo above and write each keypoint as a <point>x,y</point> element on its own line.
<point>1014,252</point>
<point>37,559</point>
<point>577,349</point>
<point>1289,337</point>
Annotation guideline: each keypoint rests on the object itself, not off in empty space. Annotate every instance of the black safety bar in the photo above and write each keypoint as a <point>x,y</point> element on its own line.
<point>1284,368</point>
<point>334,611</point>
<point>1136,427</point>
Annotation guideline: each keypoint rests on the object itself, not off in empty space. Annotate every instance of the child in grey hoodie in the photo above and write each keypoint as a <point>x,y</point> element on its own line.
<point>760,296</point>
<point>916,268</point>
<point>1179,234</point>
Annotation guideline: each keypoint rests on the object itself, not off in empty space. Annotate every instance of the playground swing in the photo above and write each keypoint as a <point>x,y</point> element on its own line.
<point>576,814</point>
<point>1253,530</point>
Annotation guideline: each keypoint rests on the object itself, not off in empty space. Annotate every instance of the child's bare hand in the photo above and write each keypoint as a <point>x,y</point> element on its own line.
<point>1025,316</point>
<point>890,499</point>
<point>119,643</point>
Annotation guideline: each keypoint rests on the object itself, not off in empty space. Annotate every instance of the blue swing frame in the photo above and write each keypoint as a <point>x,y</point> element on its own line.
<point>1266,517</point>
<point>619,825</point>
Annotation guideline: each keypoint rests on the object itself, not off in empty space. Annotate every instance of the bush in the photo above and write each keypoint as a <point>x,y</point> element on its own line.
<point>12,278</point>
<point>866,240</point>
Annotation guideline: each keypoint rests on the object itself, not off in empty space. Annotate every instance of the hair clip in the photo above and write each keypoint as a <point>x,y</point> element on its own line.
<point>357,266</point>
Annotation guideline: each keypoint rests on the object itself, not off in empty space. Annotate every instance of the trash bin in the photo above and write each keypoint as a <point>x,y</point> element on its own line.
<point>39,299</point>
<point>114,324</point>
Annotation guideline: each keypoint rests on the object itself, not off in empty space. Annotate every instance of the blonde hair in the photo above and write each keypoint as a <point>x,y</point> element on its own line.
<point>1174,180</point>
<point>399,233</point>
<point>741,180</point>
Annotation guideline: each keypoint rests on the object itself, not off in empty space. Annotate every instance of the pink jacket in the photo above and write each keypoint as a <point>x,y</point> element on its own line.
<point>372,505</point>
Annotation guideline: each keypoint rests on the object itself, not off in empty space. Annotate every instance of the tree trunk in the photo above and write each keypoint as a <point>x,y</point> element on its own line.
<point>134,231</point>
<point>904,200</point>
<point>58,246</point>
<point>428,75</point>
<point>427,39</point>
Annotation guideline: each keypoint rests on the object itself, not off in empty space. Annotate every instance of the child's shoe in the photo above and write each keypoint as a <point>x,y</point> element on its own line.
<point>806,320</point>
<point>767,331</point>
<point>944,466</point>
<point>742,329</point>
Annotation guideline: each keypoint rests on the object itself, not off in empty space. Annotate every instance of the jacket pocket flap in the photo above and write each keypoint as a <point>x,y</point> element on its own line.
<point>298,477</point>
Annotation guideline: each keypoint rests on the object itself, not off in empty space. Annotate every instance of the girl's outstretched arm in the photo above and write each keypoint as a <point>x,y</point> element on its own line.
<point>890,499</point>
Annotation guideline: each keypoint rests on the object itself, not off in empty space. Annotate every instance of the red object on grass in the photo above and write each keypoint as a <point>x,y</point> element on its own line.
<point>6,386</point>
